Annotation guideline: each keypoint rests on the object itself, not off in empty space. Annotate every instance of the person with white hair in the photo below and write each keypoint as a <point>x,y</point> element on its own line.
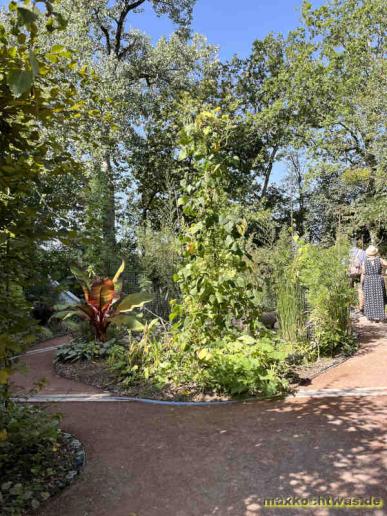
<point>373,285</point>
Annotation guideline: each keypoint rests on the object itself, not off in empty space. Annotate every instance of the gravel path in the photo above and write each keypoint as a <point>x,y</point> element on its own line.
<point>150,460</point>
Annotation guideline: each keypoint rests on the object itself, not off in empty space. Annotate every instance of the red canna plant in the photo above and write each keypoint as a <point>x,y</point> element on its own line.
<point>103,304</point>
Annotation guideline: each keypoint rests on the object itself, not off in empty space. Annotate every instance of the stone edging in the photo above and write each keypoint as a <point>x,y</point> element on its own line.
<point>79,461</point>
<point>107,397</point>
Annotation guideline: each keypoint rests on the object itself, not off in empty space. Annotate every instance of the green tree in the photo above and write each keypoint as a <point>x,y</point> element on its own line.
<point>131,74</point>
<point>338,86</point>
<point>216,291</point>
<point>35,98</point>
<point>264,121</point>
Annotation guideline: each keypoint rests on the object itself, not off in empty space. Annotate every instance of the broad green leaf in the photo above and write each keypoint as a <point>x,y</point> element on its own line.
<point>60,50</point>
<point>34,64</point>
<point>132,323</point>
<point>19,81</point>
<point>80,275</point>
<point>66,314</point>
<point>134,301</point>
<point>247,339</point>
<point>119,271</point>
<point>57,49</point>
<point>204,354</point>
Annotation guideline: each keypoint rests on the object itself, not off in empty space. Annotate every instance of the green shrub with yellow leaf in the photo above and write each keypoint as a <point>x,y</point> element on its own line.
<point>216,343</point>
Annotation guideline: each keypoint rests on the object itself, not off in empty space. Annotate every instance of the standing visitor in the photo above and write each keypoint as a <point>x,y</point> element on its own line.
<point>373,285</point>
<point>357,258</point>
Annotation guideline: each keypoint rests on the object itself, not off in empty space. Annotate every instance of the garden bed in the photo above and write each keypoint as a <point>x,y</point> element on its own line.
<point>23,492</point>
<point>97,374</point>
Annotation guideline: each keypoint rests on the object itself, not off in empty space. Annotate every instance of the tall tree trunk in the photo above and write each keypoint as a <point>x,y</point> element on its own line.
<point>108,216</point>
<point>268,171</point>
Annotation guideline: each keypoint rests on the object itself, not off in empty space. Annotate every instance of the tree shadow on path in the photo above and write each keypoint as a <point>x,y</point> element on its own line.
<point>224,460</point>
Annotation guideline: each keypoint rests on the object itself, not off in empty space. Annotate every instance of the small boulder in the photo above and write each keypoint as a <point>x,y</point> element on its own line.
<point>269,319</point>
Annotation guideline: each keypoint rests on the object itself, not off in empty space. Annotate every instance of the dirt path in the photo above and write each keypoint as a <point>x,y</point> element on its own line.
<point>149,460</point>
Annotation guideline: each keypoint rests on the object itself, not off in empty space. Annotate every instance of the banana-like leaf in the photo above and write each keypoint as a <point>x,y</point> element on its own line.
<point>119,271</point>
<point>102,293</point>
<point>118,287</point>
<point>88,310</point>
<point>65,314</point>
<point>86,292</point>
<point>131,322</point>
<point>133,301</point>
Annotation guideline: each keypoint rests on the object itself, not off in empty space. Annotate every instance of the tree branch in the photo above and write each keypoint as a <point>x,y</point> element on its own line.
<point>107,38</point>
<point>105,31</point>
<point>268,171</point>
<point>128,6</point>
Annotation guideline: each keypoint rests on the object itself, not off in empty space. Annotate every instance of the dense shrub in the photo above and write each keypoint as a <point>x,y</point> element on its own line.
<point>159,258</point>
<point>245,366</point>
<point>324,273</point>
<point>29,449</point>
<point>239,366</point>
<point>80,349</point>
<point>289,293</point>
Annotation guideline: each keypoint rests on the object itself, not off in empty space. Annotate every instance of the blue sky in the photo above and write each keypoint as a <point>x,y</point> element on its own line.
<point>231,24</point>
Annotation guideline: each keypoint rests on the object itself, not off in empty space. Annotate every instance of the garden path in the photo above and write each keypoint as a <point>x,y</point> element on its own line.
<point>155,460</point>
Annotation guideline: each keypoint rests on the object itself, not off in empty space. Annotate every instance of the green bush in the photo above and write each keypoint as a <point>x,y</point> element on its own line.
<point>140,359</point>
<point>159,258</point>
<point>245,366</point>
<point>208,347</point>
<point>289,294</point>
<point>29,445</point>
<point>324,273</point>
<point>79,349</point>
<point>241,365</point>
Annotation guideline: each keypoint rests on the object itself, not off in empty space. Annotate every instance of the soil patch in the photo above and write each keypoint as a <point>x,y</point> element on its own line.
<point>306,372</point>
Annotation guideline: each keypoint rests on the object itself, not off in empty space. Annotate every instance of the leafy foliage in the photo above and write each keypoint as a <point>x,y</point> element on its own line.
<point>324,273</point>
<point>236,366</point>
<point>79,350</point>
<point>30,454</point>
<point>215,289</point>
<point>158,251</point>
<point>32,158</point>
<point>290,295</point>
<point>246,366</point>
<point>339,55</point>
